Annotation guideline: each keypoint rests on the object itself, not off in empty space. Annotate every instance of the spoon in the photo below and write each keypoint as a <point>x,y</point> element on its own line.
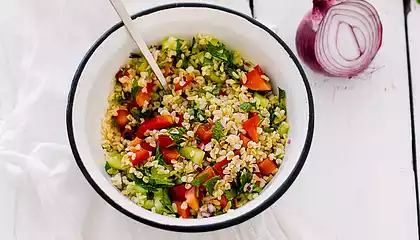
<point>135,35</point>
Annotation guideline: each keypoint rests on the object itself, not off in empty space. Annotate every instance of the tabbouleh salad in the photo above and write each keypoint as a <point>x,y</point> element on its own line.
<point>204,148</point>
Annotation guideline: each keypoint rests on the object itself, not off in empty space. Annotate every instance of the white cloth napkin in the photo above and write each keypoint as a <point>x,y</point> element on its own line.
<point>44,195</point>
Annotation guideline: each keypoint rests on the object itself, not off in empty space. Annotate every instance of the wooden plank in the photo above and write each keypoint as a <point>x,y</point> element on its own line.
<point>358,181</point>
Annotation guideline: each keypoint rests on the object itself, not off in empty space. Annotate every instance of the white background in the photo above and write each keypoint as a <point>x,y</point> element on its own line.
<point>358,182</point>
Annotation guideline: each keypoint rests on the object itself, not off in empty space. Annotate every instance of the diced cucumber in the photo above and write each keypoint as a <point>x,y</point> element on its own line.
<point>192,153</point>
<point>169,43</point>
<point>263,100</point>
<point>214,78</point>
<point>114,160</point>
<point>148,204</point>
<point>283,128</point>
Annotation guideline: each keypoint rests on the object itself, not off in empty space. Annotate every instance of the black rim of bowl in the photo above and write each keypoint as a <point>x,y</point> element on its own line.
<point>206,227</point>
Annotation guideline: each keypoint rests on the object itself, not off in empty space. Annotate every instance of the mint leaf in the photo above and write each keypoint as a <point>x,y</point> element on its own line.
<point>245,106</point>
<point>210,184</point>
<point>200,180</point>
<point>217,130</point>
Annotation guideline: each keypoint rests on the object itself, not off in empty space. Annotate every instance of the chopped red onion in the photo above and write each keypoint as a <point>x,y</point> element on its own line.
<point>339,38</point>
<point>211,208</point>
<point>205,214</point>
<point>197,168</point>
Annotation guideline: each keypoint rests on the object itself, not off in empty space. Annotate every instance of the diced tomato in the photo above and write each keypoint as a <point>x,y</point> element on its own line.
<point>252,114</point>
<point>184,213</point>
<point>181,119</point>
<point>135,142</point>
<point>169,154</point>
<point>259,70</point>
<point>165,141</point>
<point>187,80</point>
<point>142,97</point>
<point>223,201</point>
<point>209,171</point>
<point>191,198</point>
<point>245,140</point>
<point>121,118</point>
<point>267,167</point>
<point>157,122</point>
<point>141,156</point>
<point>255,81</point>
<point>219,166</point>
<point>204,132</point>
<point>132,105</point>
<point>147,146</point>
<point>237,152</point>
<point>222,93</point>
<point>250,127</point>
<point>178,193</point>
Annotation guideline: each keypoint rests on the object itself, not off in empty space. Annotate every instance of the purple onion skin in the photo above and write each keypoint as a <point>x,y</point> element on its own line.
<point>306,33</point>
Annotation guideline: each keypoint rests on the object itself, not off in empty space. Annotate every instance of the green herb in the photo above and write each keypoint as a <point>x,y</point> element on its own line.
<point>210,184</point>
<point>147,186</point>
<point>217,130</point>
<point>282,93</point>
<point>207,62</point>
<point>282,99</point>
<point>245,106</point>
<point>230,194</point>
<point>114,122</point>
<point>200,115</point>
<point>256,188</point>
<point>269,129</point>
<point>107,166</point>
<point>200,180</point>
<point>220,52</point>
<point>149,72</point>
<point>134,92</point>
<point>245,178</point>
<point>185,62</point>
<point>138,114</point>
<point>178,137</point>
<point>178,47</point>
<point>217,90</point>
<point>159,156</point>
<point>193,42</point>
<point>119,97</point>
<point>157,179</point>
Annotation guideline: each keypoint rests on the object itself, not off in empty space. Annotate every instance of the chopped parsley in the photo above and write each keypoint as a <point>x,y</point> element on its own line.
<point>245,178</point>
<point>220,52</point>
<point>210,184</point>
<point>138,114</point>
<point>217,130</point>
<point>200,180</point>
<point>178,48</point>
<point>107,166</point>
<point>282,99</point>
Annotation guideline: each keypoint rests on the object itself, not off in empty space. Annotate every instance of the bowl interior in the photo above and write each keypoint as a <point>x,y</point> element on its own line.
<point>94,84</point>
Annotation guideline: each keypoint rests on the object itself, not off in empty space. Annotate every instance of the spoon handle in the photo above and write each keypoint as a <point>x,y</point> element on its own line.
<point>129,24</point>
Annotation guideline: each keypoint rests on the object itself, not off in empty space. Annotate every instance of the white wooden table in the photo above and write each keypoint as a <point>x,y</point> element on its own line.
<point>357,184</point>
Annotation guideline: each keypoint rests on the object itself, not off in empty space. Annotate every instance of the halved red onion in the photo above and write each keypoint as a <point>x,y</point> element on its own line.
<point>339,38</point>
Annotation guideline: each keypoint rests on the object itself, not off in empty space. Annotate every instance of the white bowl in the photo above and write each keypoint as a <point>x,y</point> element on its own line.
<point>92,84</point>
